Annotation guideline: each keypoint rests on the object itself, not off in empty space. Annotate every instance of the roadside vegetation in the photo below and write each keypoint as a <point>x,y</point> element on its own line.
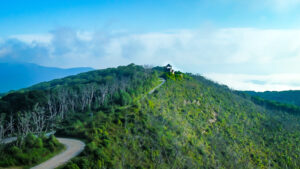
<point>30,151</point>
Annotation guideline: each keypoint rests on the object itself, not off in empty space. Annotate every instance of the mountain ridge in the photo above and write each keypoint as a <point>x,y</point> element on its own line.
<point>20,75</point>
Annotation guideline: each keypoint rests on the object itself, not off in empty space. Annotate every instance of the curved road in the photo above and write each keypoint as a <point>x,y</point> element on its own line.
<point>73,148</point>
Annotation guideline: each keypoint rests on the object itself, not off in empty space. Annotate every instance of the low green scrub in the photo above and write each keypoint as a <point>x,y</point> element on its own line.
<point>30,151</point>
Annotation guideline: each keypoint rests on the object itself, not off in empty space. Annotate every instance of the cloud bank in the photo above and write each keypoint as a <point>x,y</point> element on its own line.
<point>273,82</point>
<point>254,53</point>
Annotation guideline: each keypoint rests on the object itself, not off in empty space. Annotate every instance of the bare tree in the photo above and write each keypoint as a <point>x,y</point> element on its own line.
<point>103,93</point>
<point>124,83</point>
<point>83,98</point>
<point>23,126</point>
<point>52,108</point>
<point>38,119</point>
<point>90,90</point>
<point>2,127</point>
<point>11,124</point>
<point>113,88</point>
<point>72,100</point>
<point>62,95</point>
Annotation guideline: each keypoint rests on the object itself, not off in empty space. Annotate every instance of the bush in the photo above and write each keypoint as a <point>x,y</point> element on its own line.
<point>83,163</point>
<point>31,151</point>
<point>30,141</point>
<point>38,143</point>
<point>71,166</point>
<point>14,150</point>
<point>53,140</point>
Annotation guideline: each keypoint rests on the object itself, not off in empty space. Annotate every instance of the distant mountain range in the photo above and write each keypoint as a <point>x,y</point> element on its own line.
<point>15,76</point>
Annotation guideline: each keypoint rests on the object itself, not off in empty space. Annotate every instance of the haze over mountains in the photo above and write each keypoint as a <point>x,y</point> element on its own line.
<point>21,75</point>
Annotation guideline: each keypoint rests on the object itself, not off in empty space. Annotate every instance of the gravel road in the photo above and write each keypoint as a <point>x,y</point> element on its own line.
<point>73,148</point>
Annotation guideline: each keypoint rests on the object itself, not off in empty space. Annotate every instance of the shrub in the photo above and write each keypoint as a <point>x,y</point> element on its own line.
<point>53,140</point>
<point>30,140</point>
<point>71,166</point>
<point>38,143</point>
<point>14,150</point>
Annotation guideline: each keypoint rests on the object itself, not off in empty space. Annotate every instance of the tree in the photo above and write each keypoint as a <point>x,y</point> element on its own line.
<point>23,125</point>
<point>2,127</point>
<point>62,95</point>
<point>52,109</point>
<point>103,93</point>
<point>39,119</point>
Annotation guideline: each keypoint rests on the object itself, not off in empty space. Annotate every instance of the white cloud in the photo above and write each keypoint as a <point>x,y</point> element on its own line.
<point>3,52</point>
<point>274,82</point>
<point>226,51</point>
<point>39,38</point>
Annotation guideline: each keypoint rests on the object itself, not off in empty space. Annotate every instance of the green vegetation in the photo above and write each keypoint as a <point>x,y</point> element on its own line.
<point>270,104</point>
<point>40,108</point>
<point>287,97</point>
<point>176,76</point>
<point>30,151</point>
<point>189,122</point>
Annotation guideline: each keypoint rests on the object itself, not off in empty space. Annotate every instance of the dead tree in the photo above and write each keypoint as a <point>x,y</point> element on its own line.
<point>90,90</point>
<point>62,95</point>
<point>11,125</point>
<point>113,88</point>
<point>103,93</point>
<point>38,119</point>
<point>52,109</point>
<point>72,100</point>
<point>2,127</point>
<point>83,98</point>
<point>123,83</point>
<point>24,126</point>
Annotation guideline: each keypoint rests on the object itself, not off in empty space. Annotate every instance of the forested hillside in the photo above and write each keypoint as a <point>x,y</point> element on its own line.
<point>289,97</point>
<point>38,109</point>
<point>189,122</point>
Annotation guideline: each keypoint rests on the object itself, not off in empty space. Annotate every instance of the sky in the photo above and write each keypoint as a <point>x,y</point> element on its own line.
<point>247,45</point>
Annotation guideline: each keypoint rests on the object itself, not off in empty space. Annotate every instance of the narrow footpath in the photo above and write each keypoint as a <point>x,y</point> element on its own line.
<point>162,82</point>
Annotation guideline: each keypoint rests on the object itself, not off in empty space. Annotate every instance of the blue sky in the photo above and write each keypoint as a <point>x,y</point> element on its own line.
<point>238,43</point>
<point>35,16</point>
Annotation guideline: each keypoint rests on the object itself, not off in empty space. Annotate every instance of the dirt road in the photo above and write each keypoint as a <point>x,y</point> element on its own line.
<point>73,148</point>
